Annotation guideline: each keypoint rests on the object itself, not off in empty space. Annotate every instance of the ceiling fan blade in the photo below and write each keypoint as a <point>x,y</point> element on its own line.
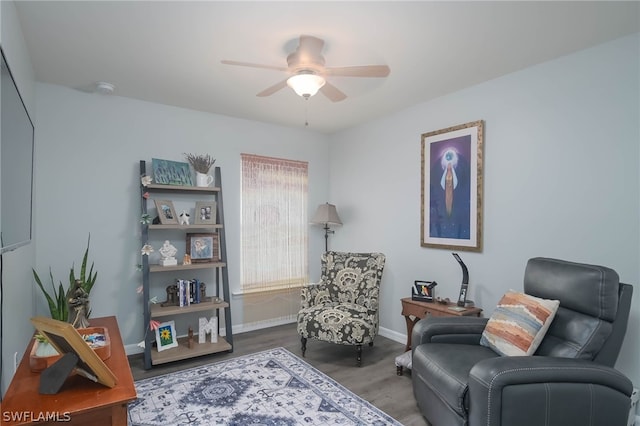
<point>359,71</point>
<point>273,89</point>
<point>332,92</point>
<point>249,64</point>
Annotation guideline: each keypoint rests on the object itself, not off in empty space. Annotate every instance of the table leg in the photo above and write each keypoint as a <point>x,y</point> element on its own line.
<point>410,324</point>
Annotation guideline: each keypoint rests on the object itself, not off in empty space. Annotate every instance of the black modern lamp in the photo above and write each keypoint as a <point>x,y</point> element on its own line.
<point>326,215</point>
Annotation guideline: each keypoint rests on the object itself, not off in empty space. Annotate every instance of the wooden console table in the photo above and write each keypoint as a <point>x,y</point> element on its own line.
<point>418,310</point>
<point>80,401</point>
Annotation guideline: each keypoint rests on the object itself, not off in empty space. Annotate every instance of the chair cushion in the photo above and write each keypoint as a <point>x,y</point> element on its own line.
<point>444,369</point>
<point>518,324</point>
<point>343,323</point>
<point>353,277</point>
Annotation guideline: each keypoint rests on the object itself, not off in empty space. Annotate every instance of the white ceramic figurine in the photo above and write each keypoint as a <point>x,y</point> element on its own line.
<point>184,218</point>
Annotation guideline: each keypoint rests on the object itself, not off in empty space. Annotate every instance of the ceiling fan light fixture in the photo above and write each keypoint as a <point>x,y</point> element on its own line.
<point>306,84</point>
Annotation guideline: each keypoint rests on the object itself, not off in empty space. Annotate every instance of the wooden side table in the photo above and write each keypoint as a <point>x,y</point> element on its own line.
<point>418,310</point>
<point>415,310</point>
<point>80,401</point>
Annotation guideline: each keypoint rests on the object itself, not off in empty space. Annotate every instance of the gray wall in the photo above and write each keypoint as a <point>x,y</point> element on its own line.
<point>561,180</point>
<point>18,303</point>
<point>88,148</point>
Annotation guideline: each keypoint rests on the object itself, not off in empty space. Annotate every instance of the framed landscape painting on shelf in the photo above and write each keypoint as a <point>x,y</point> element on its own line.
<point>451,187</point>
<point>166,172</point>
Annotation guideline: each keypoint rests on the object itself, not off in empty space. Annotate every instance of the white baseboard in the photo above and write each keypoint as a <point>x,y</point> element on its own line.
<point>393,335</point>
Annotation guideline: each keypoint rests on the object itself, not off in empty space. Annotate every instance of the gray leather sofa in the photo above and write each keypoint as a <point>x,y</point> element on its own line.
<point>570,380</point>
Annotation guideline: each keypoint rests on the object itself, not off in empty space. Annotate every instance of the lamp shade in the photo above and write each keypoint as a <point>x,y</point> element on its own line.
<point>326,215</point>
<point>306,85</point>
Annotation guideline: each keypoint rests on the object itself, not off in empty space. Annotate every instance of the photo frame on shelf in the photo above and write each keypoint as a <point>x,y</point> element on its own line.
<point>166,212</point>
<point>167,172</point>
<point>203,247</point>
<point>451,187</point>
<point>66,339</point>
<point>205,213</point>
<point>166,337</point>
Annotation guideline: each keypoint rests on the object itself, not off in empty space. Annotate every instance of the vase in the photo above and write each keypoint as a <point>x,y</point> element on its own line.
<point>203,179</point>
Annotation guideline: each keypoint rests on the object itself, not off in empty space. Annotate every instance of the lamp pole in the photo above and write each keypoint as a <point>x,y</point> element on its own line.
<point>327,231</point>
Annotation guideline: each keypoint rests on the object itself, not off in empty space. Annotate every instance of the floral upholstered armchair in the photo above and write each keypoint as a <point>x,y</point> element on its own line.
<point>343,307</point>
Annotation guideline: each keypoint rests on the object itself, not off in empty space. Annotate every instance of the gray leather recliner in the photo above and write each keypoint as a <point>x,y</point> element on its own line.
<point>570,380</point>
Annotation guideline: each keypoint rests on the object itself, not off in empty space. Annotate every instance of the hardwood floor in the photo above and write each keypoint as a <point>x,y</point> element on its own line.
<point>376,381</point>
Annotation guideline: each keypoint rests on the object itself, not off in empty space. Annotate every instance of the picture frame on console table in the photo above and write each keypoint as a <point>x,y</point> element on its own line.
<point>451,188</point>
<point>66,339</point>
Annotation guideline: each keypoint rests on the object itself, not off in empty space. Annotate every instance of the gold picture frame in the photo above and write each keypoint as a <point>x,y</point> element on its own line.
<point>451,187</point>
<point>166,212</point>
<point>66,339</point>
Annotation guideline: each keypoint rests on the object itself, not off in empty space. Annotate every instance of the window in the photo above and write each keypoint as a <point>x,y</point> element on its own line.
<point>274,223</point>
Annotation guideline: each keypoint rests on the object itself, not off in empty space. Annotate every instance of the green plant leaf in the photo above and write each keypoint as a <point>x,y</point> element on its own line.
<point>50,302</point>
<point>62,304</point>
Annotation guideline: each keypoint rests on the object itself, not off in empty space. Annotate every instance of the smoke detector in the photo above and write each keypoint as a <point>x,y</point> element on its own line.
<point>104,88</point>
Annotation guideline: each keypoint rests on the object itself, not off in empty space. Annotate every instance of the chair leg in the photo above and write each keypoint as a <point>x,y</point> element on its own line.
<point>303,340</point>
<point>359,355</point>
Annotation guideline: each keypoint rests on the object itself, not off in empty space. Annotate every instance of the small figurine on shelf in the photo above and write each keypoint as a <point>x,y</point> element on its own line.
<point>190,342</point>
<point>186,260</point>
<point>78,305</point>
<point>168,253</point>
<point>172,296</point>
<point>184,218</point>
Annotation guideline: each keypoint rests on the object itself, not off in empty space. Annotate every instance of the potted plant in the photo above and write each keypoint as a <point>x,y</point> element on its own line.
<point>43,354</point>
<point>58,300</point>
<point>201,163</point>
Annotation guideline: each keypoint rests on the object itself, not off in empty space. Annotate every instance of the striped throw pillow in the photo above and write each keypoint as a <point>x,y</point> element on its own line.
<point>518,324</point>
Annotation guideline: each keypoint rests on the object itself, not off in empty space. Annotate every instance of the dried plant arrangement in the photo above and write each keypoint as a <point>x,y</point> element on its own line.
<point>200,163</point>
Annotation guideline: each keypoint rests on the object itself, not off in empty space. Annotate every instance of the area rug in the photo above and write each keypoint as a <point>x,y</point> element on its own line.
<point>274,388</point>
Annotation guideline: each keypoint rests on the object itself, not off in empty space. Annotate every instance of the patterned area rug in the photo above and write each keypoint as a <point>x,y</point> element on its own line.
<point>273,388</point>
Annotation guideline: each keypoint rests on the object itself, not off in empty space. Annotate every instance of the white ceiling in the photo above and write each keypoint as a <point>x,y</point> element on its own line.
<point>169,52</point>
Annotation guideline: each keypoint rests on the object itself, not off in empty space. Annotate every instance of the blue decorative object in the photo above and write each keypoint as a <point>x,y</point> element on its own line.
<point>273,388</point>
<point>167,172</point>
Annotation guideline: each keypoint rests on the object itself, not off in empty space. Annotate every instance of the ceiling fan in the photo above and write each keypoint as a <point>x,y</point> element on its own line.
<point>307,73</point>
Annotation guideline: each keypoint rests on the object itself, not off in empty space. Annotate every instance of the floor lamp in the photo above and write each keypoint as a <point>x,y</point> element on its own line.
<point>326,215</point>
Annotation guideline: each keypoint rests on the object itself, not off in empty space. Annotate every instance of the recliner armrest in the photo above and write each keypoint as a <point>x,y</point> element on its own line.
<point>463,330</point>
<point>543,382</point>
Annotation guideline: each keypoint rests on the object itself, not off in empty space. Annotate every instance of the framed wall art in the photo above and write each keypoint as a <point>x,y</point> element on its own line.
<point>205,213</point>
<point>166,172</point>
<point>166,212</point>
<point>166,336</point>
<point>451,190</point>
<point>203,247</point>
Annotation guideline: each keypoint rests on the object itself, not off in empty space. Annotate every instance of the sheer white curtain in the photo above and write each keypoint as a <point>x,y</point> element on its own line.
<point>274,223</point>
